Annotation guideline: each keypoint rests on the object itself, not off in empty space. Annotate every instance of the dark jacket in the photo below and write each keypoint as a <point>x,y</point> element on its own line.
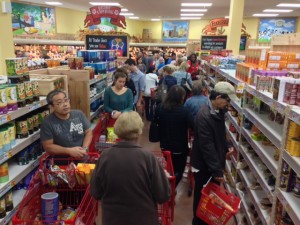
<point>210,144</point>
<point>130,84</point>
<point>169,81</point>
<point>129,182</point>
<point>173,128</point>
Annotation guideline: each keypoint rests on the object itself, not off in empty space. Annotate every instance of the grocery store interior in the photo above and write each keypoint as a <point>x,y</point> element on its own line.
<point>76,45</point>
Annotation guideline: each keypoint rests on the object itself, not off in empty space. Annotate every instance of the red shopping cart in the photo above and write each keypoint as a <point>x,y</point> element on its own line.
<point>78,197</point>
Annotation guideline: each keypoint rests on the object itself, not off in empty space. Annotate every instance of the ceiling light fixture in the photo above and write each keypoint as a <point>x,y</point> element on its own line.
<point>133,17</point>
<point>226,17</point>
<point>191,14</point>
<point>126,14</point>
<point>190,18</point>
<point>105,3</point>
<point>154,19</point>
<point>288,5</point>
<point>197,4</point>
<point>279,10</point>
<point>193,10</point>
<point>53,3</point>
<point>124,10</point>
<point>264,15</point>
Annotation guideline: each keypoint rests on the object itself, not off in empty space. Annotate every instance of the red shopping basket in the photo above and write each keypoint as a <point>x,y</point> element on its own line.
<point>79,197</point>
<point>213,211</point>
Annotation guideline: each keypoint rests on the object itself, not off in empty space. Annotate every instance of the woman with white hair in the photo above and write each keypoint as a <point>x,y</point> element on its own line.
<point>182,73</point>
<point>129,180</point>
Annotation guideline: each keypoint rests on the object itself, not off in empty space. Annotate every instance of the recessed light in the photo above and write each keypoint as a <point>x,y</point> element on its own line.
<point>191,14</point>
<point>126,14</point>
<point>278,10</point>
<point>154,19</point>
<point>197,4</point>
<point>190,18</point>
<point>264,15</point>
<point>193,10</point>
<point>53,3</point>
<point>124,10</point>
<point>133,17</point>
<point>289,5</point>
<point>105,3</point>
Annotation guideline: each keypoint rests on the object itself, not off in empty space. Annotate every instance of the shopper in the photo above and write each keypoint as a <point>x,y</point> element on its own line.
<point>194,66</point>
<point>182,73</point>
<point>161,63</point>
<point>151,82</point>
<point>128,179</point>
<point>139,82</point>
<point>141,66</point>
<point>172,59</point>
<point>194,103</point>
<point>210,147</point>
<point>174,121</point>
<point>129,82</point>
<point>118,98</point>
<point>168,79</point>
<point>65,131</point>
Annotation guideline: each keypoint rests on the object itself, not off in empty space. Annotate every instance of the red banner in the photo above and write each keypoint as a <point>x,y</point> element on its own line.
<point>98,12</point>
<point>221,22</point>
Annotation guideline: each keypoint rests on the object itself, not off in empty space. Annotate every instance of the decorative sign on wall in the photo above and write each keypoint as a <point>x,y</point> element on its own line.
<point>98,12</point>
<point>175,31</point>
<point>32,19</point>
<point>213,42</point>
<point>108,42</point>
<point>272,27</point>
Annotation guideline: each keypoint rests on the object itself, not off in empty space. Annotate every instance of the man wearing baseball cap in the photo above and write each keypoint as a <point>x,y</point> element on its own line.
<point>210,147</point>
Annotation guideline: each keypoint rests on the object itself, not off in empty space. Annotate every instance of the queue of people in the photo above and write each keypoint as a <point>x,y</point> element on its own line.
<point>127,179</point>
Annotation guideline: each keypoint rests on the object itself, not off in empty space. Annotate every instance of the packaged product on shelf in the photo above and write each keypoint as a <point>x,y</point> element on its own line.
<point>78,63</point>
<point>46,113</point>
<point>287,178</point>
<point>30,124</point>
<point>20,94</point>
<point>9,205</point>
<point>2,207</point>
<point>277,56</point>
<point>22,157</point>
<point>35,118</point>
<point>41,117</point>
<point>11,96</point>
<point>3,101</point>
<point>83,54</point>
<point>5,138</point>
<point>12,133</point>
<point>91,71</point>
<point>28,92</point>
<point>35,90</point>
<point>4,177</point>
<point>22,128</point>
<point>25,68</point>
<point>14,66</point>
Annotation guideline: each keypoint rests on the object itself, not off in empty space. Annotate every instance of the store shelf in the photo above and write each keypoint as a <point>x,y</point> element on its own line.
<point>229,75</point>
<point>228,169</point>
<point>255,197</point>
<point>16,174</point>
<point>267,98</point>
<point>244,205</point>
<point>266,153</point>
<point>233,161</point>
<point>19,146</point>
<point>207,85</point>
<point>232,136</point>
<point>257,173</point>
<point>94,81</point>
<point>270,129</point>
<point>294,115</point>
<point>291,204</point>
<point>212,80</point>
<point>97,97</point>
<point>94,114</point>
<point>237,106</point>
<point>294,162</point>
<point>22,111</point>
<point>234,121</point>
<point>17,198</point>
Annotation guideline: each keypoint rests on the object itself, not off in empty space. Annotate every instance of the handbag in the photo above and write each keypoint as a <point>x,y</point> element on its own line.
<point>154,127</point>
<point>161,92</point>
<point>185,84</point>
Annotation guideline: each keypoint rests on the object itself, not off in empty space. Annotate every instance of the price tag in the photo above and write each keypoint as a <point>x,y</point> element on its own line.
<point>9,154</point>
<point>13,183</point>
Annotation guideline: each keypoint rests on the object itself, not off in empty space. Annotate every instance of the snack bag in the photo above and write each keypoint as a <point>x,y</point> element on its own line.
<point>111,136</point>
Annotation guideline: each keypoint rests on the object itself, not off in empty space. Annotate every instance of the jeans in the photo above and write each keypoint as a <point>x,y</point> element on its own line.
<point>149,106</point>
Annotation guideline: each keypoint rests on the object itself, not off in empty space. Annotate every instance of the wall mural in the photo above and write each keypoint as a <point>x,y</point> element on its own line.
<point>175,31</point>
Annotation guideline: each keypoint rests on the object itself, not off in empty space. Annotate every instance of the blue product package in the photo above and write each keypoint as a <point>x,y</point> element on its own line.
<point>84,55</point>
<point>22,158</point>
<point>30,152</point>
<point>50,207</point>
<point>93,56</point>
<point>86,64</point>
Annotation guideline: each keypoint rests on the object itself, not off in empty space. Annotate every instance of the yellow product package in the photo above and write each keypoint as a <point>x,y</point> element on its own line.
<point>84,172</point>
<point>111,136</point>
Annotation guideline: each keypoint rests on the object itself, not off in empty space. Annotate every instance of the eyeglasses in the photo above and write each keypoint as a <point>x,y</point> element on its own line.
<point>61,102</point>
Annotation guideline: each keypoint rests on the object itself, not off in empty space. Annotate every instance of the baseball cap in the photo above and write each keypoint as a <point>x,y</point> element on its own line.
<point>224,87</point>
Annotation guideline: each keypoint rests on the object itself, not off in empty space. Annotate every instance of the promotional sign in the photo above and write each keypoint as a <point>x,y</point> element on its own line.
<point>31,19</point>
<point>98,12</point>
<point>108,42</point>
<point>175,31</point>
<point>213,42</point>
<point>273,27</point>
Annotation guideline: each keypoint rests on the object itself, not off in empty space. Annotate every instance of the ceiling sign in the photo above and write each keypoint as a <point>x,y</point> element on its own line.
<point>98,12</point>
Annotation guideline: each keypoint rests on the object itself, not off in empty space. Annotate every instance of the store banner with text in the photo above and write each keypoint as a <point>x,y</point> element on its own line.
<point>98,12</point>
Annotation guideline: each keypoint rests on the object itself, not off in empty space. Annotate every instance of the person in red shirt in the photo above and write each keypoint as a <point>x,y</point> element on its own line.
<point>194,66</point>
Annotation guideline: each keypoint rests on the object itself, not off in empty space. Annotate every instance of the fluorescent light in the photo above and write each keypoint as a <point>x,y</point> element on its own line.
<point>133,17</point>
<point>278,10</point>
<point>191,14</point>
<point>197,4</point>
<point>264,15</point>
<point>193,10</point>
<point>53,3</point>
<point>105,3</point>
<point>226,17</point>
<point>124,10</point>
<point>155,19</point>
<point>126,14</point>
<point>190,18</point>
<point>288,5</point>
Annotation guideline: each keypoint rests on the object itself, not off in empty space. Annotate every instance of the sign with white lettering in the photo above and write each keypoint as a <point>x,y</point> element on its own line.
<point>213,42</point>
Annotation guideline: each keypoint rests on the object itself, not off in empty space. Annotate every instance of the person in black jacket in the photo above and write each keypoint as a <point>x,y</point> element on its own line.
<point>210,147</point>
<point>174,121</point>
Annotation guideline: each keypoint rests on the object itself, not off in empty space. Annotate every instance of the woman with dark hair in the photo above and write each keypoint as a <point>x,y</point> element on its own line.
<point>174,121</point>
<point>194,66</point>
<point>139,62</point>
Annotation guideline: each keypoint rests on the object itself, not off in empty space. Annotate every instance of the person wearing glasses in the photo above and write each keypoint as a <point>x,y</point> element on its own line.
<point>65,132</point>
<point>210,147</point>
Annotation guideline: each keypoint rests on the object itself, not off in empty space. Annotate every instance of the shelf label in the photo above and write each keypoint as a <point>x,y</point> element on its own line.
<point>9,155</point>
<point>13,183</point>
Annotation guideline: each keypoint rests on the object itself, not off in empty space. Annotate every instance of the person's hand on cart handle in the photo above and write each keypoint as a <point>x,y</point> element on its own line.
<point>77,152</point>
<point>219,179</point>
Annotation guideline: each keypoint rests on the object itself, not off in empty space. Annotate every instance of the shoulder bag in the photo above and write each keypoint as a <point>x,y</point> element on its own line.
<point>185,84</point>
<point>161,92</point>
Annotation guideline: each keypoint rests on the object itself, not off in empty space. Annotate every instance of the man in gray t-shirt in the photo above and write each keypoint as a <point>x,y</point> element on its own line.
<point>65,131</point>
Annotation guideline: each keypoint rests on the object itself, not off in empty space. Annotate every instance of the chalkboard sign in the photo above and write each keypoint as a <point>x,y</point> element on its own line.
<point>108,42</point>
<point>213,42</point>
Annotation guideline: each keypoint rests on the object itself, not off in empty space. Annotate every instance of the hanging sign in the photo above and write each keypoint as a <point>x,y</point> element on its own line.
<point>98,12</point>
<point>213,42</point>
